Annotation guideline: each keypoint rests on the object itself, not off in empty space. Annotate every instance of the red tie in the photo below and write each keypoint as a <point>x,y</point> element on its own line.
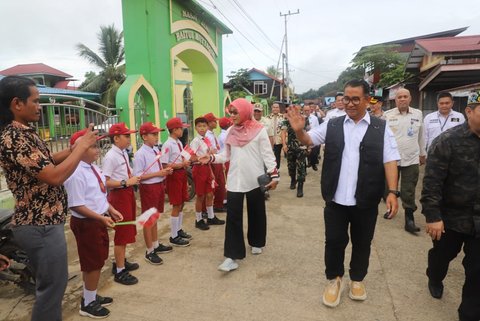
<point>180,149</point>
<point>100,182</point>
<point>216,143</point>
<point>126,164</point>
<point>158,160</point>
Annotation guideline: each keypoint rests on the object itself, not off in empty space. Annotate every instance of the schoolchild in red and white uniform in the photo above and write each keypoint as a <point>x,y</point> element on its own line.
<point>120,182</point>
<point>177,181</point>
<point>91,216</point>
<point>147,165</point>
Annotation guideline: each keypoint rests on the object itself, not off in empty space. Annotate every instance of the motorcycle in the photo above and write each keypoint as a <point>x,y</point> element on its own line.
<point>20,271</point>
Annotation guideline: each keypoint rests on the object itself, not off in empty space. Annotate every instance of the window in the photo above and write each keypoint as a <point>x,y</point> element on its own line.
<point>259,88</point>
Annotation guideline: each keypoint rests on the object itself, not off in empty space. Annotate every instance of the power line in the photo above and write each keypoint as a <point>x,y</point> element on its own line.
<point>240,32</point>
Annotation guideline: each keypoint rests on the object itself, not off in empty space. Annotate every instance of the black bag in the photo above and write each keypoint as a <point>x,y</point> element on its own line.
<point>263,181</point>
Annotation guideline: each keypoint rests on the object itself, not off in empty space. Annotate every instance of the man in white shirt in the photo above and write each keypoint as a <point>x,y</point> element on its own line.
<point>339,109</point>
<point>444,118</point>
<point>314,151</point>
<point>407,126</point>
<point>360,152</point>
<point>258,115</point>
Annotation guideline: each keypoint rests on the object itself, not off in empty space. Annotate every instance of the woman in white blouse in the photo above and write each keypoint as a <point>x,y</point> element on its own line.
<point>248,148</point>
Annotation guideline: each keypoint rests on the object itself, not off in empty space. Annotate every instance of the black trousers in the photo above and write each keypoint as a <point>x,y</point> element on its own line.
<point>362,227</point>
<point>234,246</point>
<point>439,257</point>
<point>314,154</point>
<point>277,150</point>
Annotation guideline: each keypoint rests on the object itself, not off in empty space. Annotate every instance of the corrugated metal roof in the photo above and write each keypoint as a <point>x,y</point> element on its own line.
<point>450,44</point>
<point>75,93</point>
<point>34,69</point>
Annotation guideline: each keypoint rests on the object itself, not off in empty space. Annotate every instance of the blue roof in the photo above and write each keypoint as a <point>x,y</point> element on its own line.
<point>75,93</point>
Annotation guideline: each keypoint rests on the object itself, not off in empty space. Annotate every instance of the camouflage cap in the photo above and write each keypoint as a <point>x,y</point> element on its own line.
<point>474,97</point>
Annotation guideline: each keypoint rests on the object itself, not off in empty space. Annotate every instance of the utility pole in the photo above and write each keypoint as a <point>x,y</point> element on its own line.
<point>286,76</point>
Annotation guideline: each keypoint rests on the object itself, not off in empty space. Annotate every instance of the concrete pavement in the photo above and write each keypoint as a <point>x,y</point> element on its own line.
<point>283,283</point>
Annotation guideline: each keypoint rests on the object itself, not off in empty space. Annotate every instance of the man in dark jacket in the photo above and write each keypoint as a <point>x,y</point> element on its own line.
<point>360,152</point>
<point>451,204</point>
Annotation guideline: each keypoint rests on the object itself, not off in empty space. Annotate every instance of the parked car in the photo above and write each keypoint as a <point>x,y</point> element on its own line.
<point>104,127</point>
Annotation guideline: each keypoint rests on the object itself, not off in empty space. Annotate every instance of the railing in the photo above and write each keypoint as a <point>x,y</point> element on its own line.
<point>64,115</point>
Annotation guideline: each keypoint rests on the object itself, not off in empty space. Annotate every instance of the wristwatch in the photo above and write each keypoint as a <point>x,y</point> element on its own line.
<point>123,183</point>
<point>394,192</point>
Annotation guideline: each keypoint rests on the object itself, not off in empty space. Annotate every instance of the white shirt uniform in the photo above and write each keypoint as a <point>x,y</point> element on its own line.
<point>199,146</point>
<point>248,162</point>
<point>334,113</point>
<point>408,131</point>
<point>313,121</point>
<point>83,189</point>
<point>435,123</point>
<point>213,139</point>
<point>144,157</point>
<point>353,133</point>
<point>171,150</point>
<point>114,164</point>
<point>221,139</point>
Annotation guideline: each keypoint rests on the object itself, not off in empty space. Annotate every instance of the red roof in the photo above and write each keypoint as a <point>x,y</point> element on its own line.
<point>34,69</point>
<point>450,44</point>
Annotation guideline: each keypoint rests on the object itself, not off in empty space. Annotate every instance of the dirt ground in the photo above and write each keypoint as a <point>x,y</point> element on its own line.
<point>283,283</point>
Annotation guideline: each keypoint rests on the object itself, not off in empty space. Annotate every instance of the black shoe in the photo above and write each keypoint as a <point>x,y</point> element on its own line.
<point>293,183</point>
<point>215,221</point>
<point>436,289</point>
<point>104,300</point>
<point>184,235</point>
<point>178,241</point>
<point>220,209</point>
<point>202,225</point>
<point>410,222</point>
<point>128,266</point>
<point>153,258</point>
<point>314,167</point>
<point>300,190</point>
<point>204,215</point>
<point>93,310</point>
<point>125,278</point>
<point>163,248</point>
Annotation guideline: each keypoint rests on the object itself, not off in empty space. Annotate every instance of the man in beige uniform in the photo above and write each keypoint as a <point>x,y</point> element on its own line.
<point>406,124</point>
<point>276,121</point>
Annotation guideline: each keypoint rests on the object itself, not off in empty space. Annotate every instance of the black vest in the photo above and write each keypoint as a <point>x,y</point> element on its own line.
<point>371,172</point>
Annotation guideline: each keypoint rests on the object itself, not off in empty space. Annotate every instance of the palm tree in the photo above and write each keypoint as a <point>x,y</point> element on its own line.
<point>111,62</point>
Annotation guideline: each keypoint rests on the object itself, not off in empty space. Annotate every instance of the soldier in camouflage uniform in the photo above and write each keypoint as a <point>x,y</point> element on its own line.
<point>451,205</point>
<point>296,156</point>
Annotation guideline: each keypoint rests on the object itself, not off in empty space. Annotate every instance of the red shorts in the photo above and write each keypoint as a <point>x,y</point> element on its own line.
<point>177,187</point>
<point>92,242</point>
<point>123,200</point>
<point>152,195</point>
<point>202,178</point>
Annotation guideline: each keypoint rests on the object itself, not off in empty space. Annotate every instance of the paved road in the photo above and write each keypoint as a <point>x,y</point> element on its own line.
<point>283,283</point>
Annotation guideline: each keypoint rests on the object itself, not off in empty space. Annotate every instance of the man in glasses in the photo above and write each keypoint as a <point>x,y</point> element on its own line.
<point>407,125</point>
<point>360,152</point>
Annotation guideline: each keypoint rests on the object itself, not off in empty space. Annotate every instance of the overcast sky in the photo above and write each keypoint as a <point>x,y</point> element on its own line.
<point>322,39</point>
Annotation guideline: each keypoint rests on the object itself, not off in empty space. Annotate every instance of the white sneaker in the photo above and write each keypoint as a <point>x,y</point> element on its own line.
<point>228,265</point>
<point>256,250</point>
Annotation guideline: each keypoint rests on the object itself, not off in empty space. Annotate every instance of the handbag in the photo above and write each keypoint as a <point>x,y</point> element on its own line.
<point>263,180</point>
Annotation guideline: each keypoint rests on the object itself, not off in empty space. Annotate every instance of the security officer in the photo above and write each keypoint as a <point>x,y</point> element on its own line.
<point>296,156</point>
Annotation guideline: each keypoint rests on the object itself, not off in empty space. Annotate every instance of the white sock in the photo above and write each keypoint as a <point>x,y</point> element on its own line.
<point>89,296</point>
<point>149,250</point>
<point>155,244</point>
<point>198,216</point>
<point>174,227</point>
<point>224,202</point>
<point>210,212</point>
<point>180,221</point>
<point>120,269</point>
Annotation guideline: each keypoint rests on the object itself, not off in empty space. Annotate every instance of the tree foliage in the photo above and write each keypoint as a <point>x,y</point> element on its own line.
<point>273,71</point>
<point>110,60</point>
